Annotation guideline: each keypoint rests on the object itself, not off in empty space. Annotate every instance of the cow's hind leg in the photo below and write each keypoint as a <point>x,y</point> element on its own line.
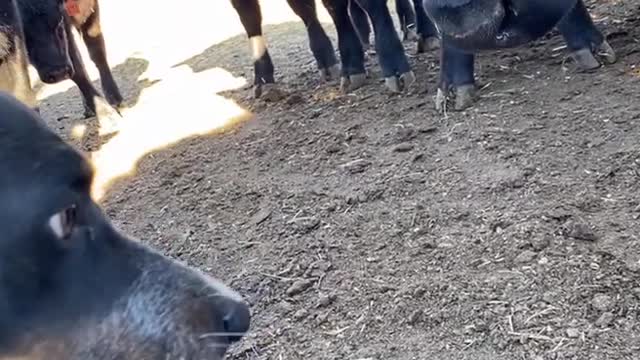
<point>251,19</point>
<point>94,40</point>
<point>584,40</point>
<point>319,42</point>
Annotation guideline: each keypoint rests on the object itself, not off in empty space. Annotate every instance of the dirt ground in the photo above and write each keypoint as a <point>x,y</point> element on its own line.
<point>369,226</point>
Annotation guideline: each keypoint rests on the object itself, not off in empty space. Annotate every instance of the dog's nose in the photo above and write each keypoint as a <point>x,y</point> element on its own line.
<point>236,318</point>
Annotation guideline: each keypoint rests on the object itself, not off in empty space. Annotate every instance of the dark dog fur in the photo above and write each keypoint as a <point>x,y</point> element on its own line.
<point>72,287</point>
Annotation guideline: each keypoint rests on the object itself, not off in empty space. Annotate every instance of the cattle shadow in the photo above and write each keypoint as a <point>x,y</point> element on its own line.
<point>64,109</point>
<point>288,46</point>
<point>196,99</point>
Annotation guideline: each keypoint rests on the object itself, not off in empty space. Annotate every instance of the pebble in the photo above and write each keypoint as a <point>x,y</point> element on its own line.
<point>414,317</point>
<point>300,314</point>
<point>294,99</point>
<point>325,300</point>
<point>403,147</point>
<point>525,256</point>
<point>540,242</point>
<point>306,224</point>
<point>260,216</point>
<point>632,263</point>
<point>420,291</point>
<point>580,231</point>
<point>603,302</point>
<point>605,319</point>
<point>573,333</point>
<point>298,287</point>
<point>356,166</point>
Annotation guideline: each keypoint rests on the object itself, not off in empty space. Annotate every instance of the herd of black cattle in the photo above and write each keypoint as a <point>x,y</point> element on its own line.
<point>72,286</point>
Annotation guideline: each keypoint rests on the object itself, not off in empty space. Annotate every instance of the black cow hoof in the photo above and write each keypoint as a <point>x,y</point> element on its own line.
<point>330,73</point>
<point>587,59</point>
<point>352,82</point>
<point>88,113</point>
<point>115,99</point>
<point>400,83</point>
<point>411,34</point>
<point>462,97</point>
<point>268,92</point>
<point>108,116</point>
<point>427,44</point>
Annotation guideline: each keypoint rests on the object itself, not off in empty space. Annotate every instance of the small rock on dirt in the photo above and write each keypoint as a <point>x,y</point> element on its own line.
<point>419,292</point>
<point>603,302</point>
<point>579,231</point>
<point>605,319</point>
<point>298,287</point>
<point>325,300</point>
<point>428,129</point>
<point>525,256</point>
<point>403,147</point>
<point>632,263</point>
<point>306,224</point>
<point>356,166</point>
<point>573,333</point>
<point>294,99</point>
<point>417,157</point>
<point>300,314</point>
<point>260,216</point>
<point>414,317</point>
<point>540,242</point>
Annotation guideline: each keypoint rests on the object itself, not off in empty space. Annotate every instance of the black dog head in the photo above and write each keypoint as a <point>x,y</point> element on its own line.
<point>73,287</point>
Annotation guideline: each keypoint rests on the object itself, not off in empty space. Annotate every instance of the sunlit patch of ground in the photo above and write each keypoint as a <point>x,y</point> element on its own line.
<point>162,32</point>
<point>181,105</point>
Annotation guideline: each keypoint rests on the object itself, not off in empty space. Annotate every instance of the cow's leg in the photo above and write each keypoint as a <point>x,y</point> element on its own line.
<point>360,21</point>
<point>427,32</point>
<point>94,103</point>
<point>81,78</point>
<point>393,61</point>
<point>251,18</point>
<point>351,51</point>
<point>584,40</point>
<point>407,19</point>
<point>319,42</point>
<point>94,40</point>
<point>456,78</point>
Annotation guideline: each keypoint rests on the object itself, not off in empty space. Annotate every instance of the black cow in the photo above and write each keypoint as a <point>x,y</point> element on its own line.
<point>53,51</point>
<point>406,17</point>
<point>72,287</point>
<point>14,74</point>
<point>469,26</point>
<point>393,61</point>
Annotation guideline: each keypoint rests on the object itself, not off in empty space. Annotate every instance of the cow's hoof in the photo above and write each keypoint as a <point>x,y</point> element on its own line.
<point>268,92</point>
<point>115,99</point>
<point>400,83</point>
<point>108,117</point>
<point>587,59</point>
<point>352,82</point>
<point>427,44</point>
<point>331,73</point>
<point>411,34</point>
<point>606,53</point>
<point>462,97</point>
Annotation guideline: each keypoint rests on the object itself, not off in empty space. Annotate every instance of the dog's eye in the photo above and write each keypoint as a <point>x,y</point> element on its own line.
<point>63,222</point>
